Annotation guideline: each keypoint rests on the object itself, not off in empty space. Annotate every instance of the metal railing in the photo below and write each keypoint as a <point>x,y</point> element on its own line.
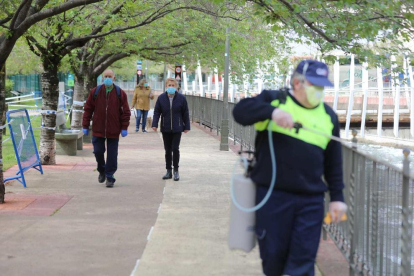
<point>377,237</point>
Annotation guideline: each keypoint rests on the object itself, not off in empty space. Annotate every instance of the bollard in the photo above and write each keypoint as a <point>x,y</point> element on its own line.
<point>354,139</point>
<point>406,225</point>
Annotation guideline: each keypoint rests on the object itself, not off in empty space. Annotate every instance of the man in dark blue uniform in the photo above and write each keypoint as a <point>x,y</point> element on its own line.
<point>288,226</point>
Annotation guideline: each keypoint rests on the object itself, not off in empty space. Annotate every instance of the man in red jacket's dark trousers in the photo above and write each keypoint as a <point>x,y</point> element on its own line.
<point>111,114</point>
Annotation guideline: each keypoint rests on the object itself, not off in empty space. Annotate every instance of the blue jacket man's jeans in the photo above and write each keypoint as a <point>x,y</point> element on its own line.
<point>141,114</point>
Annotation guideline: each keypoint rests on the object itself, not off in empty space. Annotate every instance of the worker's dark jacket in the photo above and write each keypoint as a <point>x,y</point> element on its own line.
<point>302,158</point>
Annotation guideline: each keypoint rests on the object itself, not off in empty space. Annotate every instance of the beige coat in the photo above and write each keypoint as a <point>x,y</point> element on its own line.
<point>141,98</point>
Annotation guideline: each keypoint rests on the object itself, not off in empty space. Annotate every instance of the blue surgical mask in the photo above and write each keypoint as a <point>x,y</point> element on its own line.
<point>145,84</point>
<point>108,82</point>
<point>171,90</point>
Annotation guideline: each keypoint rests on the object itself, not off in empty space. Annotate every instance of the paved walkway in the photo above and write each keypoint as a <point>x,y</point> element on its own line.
<point>69,224</point>
<point>66,223</point>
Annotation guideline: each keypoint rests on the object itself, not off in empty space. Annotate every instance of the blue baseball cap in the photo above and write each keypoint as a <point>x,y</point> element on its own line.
<point>315,72</point>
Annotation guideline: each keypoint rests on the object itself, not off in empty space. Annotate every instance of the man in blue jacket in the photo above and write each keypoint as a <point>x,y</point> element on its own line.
<point>288,226</point>
<point>173,109</point>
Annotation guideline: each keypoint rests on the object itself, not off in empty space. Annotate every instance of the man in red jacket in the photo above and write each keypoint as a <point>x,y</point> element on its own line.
<point>110,110</point>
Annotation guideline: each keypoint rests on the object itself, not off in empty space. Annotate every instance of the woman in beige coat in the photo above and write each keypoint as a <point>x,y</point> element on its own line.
<point>141,102</point>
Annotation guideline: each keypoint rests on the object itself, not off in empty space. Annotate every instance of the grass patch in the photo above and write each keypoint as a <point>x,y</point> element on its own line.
<point>28,103</point>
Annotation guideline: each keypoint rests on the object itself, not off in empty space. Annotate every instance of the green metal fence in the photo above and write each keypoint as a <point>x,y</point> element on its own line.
<point>30,83</point>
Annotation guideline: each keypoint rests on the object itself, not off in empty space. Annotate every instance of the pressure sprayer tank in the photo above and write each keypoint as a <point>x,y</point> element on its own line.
<point>242,224</point>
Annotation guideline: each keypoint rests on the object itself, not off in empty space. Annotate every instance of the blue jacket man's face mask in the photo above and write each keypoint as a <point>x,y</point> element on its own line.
<point>108,81</point>
<point>171,90</point>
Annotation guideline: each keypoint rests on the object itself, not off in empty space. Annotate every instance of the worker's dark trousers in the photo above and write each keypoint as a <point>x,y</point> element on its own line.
<point>288,229</point>
<point>110,166</point>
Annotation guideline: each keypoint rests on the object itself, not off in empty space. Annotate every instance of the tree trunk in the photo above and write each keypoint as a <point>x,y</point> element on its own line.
<point>50,97</point>
<point>90,83</point>
<point>78,95</point>
<point>2,106</point>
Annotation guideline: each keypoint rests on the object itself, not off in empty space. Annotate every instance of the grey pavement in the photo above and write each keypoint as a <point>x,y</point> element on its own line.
<point>99,231</point>
<point>190,235</point>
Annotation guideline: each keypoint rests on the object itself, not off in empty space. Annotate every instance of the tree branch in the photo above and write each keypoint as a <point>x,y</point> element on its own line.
<point>106,19</point>
<point>169,54</point>
<point>5,20</point>
<point>308,23</point>
<point>165,47</point>
<point>17,13</point>
<point>77,42</point>
<point>111,60</point>
<point>30,41</point>
<point>38,16</point>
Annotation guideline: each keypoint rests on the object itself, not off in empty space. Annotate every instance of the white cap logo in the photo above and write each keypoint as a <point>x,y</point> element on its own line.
<point>322,72</point>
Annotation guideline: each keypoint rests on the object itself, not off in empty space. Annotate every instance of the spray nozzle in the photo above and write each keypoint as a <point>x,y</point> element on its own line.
<point>297,126</point>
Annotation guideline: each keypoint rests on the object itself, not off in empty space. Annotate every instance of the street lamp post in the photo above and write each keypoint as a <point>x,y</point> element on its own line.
<point>224,143</point>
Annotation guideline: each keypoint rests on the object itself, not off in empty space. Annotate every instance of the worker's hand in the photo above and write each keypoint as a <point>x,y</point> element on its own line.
<point>85,131</point>
<point>282,118</point>
<point>186,131</point>
<point>337,209</point>
<point>154,129</point>
<point>124,133</point>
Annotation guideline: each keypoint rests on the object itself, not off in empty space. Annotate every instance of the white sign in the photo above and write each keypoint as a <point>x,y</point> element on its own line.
<point>139,67</point>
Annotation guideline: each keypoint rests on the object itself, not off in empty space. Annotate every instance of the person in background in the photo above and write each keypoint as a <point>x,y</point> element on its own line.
<point>172,108</point>
<point>109,107</point>
<point>141,102</point>
<point>179,90</point>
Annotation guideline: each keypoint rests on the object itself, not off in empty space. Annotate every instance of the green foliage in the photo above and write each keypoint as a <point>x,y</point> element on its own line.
<point>9,87</point>
<point>344,24</point>
<point>22,61</point>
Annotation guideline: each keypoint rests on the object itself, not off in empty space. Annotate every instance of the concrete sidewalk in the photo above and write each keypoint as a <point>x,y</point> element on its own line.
<point>66,223</point>
<point>190,235</point>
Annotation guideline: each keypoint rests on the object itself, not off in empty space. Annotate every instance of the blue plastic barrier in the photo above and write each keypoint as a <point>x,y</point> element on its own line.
<point>24,144</point>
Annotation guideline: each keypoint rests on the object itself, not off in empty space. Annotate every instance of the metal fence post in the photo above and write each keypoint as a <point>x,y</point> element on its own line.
<point>193,101</point>
<point>352,184</point>
<point>211,113</point>
<point>406,226</point>
<point>199,110</point>
<point>375,218</point>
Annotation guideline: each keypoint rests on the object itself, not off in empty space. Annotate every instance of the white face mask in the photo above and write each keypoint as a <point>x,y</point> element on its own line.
<point>314,94</point>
